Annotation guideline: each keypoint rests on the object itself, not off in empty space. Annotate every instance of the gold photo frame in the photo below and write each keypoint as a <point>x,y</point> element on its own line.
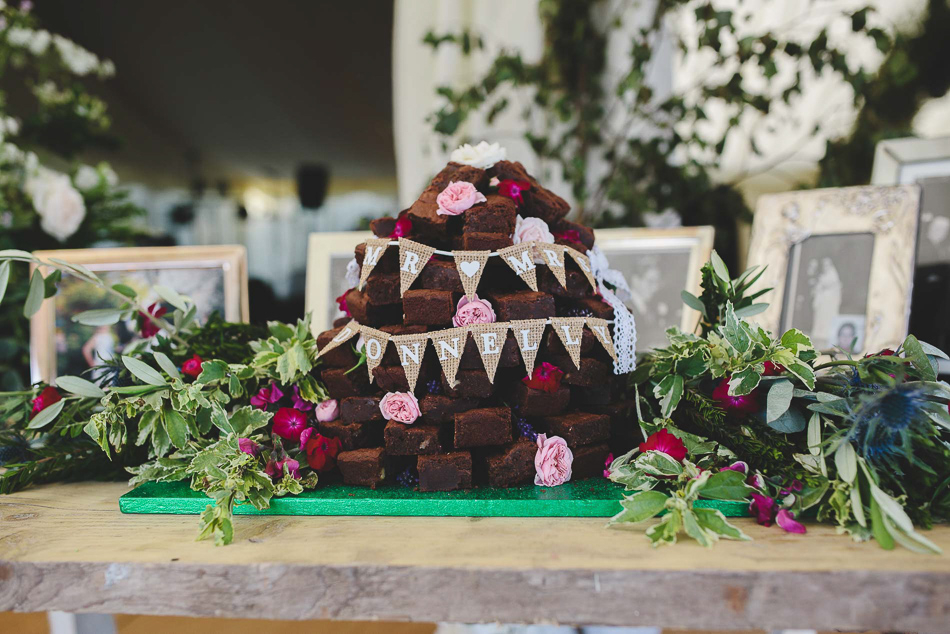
<point>53,336</point>
<point>654,262</point>
<point>840,262</point>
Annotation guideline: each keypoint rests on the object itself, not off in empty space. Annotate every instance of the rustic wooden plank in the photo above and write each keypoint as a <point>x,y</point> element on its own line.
<point>67,547</point>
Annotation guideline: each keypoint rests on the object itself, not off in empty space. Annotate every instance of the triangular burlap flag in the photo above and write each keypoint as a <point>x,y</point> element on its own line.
<point>375,247</point>
<point>411,349</point>
<point>553,257</point>
<point>528,333</point>
<point>449,346</point>
<point>412,257</point>
<point>470,265</point>
<point>583,263</point>
<point>520,258</point>
<point>490,339</point>
<point>601,330</point>
<point>375,342</point>
<point>343,336</point>
<point>571,332</point>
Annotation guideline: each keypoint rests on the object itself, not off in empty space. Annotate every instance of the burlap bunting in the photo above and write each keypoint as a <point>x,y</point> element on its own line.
<point>375,342</point>
<point>470,265</point>
<point>449,346</point>
<point>490,339</point>
<point>413,256</point>
<point>571,332</point>
<point>411,349</point>
<point>601,330</point>
<point>583,263</point>
<point>553,257</point>
<point>520,258</point>
<point>375,247</point>
<point>528,334</point>
<point>343,336</point>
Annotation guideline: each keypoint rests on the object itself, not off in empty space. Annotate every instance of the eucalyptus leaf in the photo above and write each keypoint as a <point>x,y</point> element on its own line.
<point>857,506</point>
<point>879,528</point>
<point>779,399</point>
<point>4,278</point>
<point>846,462</point>
<point>915,352</point>
<point>35,296</point>
<point>98,317</point>
<point>17,254</point>
<point>143,371</point>
<point>933,351</point>
<point>125,290</point>
<point>751,310</point>
<point>166,364</point>
<point>79,386</point>
<point>47,416</point>
<point>814,434</point>
<point>171,296</point>
<point>693,302</point>
<point>720,268</point>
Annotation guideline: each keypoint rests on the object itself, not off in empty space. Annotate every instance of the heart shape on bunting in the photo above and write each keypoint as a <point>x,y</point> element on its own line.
<point>471,265</point>
<point>571,332</point>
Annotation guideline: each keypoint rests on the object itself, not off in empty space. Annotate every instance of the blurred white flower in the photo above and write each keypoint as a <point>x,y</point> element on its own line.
<point>39,42</point>
<point>11,126</point>
<point>106,68</point>
<point>483,155</point>
<point>112,179</point>
<point>87,177</point>
<point>18,36</point>
<point>59,205</point>
<point>76,58</point>
<point>352,273</point>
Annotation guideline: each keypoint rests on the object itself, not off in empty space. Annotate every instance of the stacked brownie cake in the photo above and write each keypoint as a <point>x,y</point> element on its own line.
<point>477,432</point>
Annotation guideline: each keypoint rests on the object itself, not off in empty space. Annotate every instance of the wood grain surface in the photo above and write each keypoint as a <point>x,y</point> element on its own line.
<point>67,547</point>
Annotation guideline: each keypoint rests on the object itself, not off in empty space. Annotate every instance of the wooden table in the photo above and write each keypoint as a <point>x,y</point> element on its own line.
<point>67,547</point>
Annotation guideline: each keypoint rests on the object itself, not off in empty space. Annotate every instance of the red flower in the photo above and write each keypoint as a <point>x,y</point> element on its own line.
<point>289,423</point>
<point>512,189</point>
<point>773,369</point>
<point>147,328</point>
<point>746,404</point>
<point>403,226</point>
<point>886,352</point>
<point>546,377</point>
<point>322,452</point>
<point>571,235</point>
<point>192,367</point>
<point>47,397</point>
<point>341,302</point>
<point>667,443</point>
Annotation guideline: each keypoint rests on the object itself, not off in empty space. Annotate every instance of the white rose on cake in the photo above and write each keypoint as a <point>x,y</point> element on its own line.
<point>60,207</point>
<point>483,155</point>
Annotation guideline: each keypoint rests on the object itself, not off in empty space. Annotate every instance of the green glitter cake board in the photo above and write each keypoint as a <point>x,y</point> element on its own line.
<point>595,497</point>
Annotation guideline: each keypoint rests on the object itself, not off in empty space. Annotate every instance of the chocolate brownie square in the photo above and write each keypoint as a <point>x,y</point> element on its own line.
<point>472,360</point>
<point>592,373</point>
<point>424,212</point>
<point>496,215</point>
<point>360,409</point>
<point>591,396</point>
<point>382,288</point>
<point>589,462</point>
<point>577,285</point>
<point>391,378</point>
<point>339,384</point>
<point>531,402</point>
<point>369,314</point>
<point>353,436</point>
<point>439,408</point>
<point>538,201</point>
<point>445,472</point>
<point>340,357</point>
<point>469,384</point>
<point>579,428</point>
<point>412,440</point>
<point>363,467</point>
<point>456,172</point>
<point>388,263</point>
<point>428,307</point>
<point>592,306</point>
<point>483,427</point>
<point>555,347</point>
<point>382,227</point>
<point>510,465</point>
<point>441,275</point>
<point>476,241</point>
<point>584,234</point>
<point>522,305</point>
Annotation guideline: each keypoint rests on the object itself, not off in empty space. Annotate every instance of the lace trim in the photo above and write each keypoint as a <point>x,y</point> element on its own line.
<point>625,327</point>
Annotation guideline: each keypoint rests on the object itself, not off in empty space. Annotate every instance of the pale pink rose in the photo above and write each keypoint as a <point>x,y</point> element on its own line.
<point>402,407</point>
<point>457,198</point>
<point>327,411</point>
<point>473,311</point>
<point>532,229</point>
<point>552,462</point>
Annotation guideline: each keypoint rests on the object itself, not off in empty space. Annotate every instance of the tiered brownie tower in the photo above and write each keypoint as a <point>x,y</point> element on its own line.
<point>478,432</point>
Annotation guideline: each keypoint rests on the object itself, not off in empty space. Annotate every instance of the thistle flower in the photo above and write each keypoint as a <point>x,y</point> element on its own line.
<point>883,424</point>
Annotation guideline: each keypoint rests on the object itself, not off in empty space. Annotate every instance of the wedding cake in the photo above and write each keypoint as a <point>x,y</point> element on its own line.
<point>494,337</point>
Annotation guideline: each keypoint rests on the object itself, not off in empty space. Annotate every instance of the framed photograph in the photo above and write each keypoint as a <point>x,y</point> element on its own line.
<point>214,277</point>
<point>657,263</point>
<point>840,263</point>
<point>925,162</point>
<point>328,255</point>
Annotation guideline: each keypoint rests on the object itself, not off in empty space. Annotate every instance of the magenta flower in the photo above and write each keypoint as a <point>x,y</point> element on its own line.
<point>275,468</point>
<point>762,508</point>
<point>266,395</point>
<point>786,520</point>
<point>289,423</point>
<point>248,446</point>
<point>299,403</point>
<point>609,461</point>
<point>305,436</point>
<point>746,404</point>
<point>512,189</point>
<point>739,466</point>
<point>665,442</point>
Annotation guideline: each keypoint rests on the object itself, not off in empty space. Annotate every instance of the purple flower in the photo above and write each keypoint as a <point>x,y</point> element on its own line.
<point>266,395</point>
<point>756,481</point>
<point>786,519</point>
<point>275,469</point>
<point>739,466</point>
<point>762,508</point>
<point>248,446</point>
<point>305,436</point>
<point>299,403</point>
<point>794,487</point>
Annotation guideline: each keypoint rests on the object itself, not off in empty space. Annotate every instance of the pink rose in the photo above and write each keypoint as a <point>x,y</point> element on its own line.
<point>457,198</point>
<point>532,229</point>
<point>552,462</point>
<point>328,411</point>
<point>402,407</point>
<point>473,311</point>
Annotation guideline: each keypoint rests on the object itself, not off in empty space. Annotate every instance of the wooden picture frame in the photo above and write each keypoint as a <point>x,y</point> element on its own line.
<point>48,345</point>
<point>328,254</point>
<point>869,234</point>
